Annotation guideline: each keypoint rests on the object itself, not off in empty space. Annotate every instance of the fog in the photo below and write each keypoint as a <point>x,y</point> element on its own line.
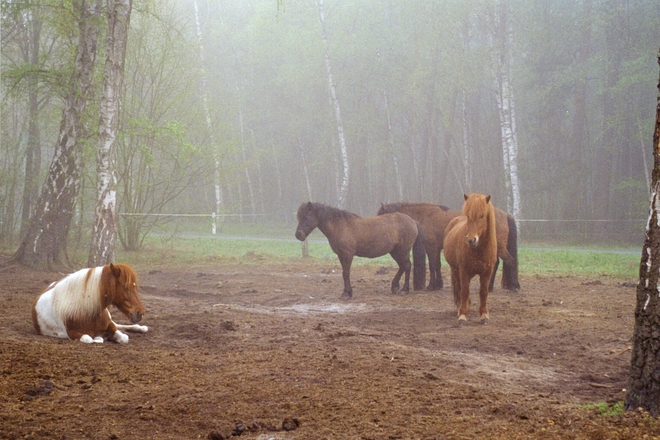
<point>249,108</point>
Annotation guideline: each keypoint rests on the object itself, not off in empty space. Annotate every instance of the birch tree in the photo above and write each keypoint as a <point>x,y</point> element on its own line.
<point>644,379</point>
<point>104,235</point>
<point>501,52</point>
<point>207,114</point>
<point>343,191</point>
<point>45,240</point>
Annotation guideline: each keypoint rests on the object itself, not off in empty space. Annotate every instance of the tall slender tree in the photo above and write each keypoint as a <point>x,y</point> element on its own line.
<point>45,240</point>
<point>104,235</point>
<point>343,191</point>
<point>644,379</point>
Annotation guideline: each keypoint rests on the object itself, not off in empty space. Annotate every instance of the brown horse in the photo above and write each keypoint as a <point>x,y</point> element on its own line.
<point>471,249</point>
<point>434,220</point>
<point>76,307</point>
<point>350,235</point>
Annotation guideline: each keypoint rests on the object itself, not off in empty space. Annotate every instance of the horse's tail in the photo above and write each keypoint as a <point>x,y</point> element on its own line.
<point>419,260</point>
<point>510,270</point>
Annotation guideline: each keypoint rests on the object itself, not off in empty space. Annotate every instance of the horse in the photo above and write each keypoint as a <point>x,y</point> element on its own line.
<point>434,220</point>
<point>350,235</point>
<point>471,249</point>
<point>76,307</point>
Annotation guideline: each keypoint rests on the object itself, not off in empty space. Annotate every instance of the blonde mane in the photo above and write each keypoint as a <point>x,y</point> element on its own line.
<point>78,294</point>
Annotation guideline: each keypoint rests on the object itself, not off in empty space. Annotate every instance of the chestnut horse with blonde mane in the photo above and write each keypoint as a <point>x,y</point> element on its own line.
<point>470,250</point>
<point>350,235</point>
<point>434,220</point>
<point>76,307</point>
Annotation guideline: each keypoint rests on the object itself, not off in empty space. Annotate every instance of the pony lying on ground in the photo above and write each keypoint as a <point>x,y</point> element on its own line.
<point>471,249</point>
<point>350,235</point>
<point>76,307</point>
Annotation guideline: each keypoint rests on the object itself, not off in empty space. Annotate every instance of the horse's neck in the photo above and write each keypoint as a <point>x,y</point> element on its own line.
<point>492,230</point>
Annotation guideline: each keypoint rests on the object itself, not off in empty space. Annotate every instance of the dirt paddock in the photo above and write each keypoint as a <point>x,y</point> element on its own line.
<point>268,351</point>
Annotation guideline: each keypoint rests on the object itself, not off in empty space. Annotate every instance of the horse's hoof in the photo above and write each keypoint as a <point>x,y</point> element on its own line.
<point>462,320</point>
<point>346,296</point>
<point>484,319</point>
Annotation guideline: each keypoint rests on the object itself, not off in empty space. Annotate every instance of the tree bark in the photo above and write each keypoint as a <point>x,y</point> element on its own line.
<point>45,240</point>
<point>104,235</point>
<point>219,197</point>
<point>644,379</point>
<point>343,191</point>
<point>33,151</point>
<point>506,105</point>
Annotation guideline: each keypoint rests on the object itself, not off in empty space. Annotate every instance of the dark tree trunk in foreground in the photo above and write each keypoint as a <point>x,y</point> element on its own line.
<point>644,380</point>
<point>104,235</point>
<point>45,240</point>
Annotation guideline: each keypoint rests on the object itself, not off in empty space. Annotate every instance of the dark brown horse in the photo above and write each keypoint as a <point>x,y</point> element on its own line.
<point>434,220</point>
<point>470,250</point>
<point>350,235</point>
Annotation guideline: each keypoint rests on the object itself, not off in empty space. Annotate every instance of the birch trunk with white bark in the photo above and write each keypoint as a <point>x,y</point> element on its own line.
<point>45,241</point>
<point>104,235</point>
<point>502,44</point>
<point>644,377</point>
<point>343,191</point>
<point>219,202</point>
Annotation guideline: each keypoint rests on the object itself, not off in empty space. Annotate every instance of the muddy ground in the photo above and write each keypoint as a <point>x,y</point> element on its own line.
<point>268,351</point>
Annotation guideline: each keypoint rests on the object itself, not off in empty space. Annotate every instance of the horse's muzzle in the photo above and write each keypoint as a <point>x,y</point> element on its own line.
<point>472,241</point>
<point>136,317</point>
<point>300,235</point>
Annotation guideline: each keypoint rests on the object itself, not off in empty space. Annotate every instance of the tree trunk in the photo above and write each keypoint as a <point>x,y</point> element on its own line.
<point>45,240</point>
<point>219,199</point>
<point>343,192</point>
<point>503,40</point>
<point>33,151</point>
<point>390,138</point>
<point>104,235</point>
<point>644,379</point>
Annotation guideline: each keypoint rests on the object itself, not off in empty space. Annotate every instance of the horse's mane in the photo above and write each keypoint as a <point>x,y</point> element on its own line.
<point>78,294</point>
<point>326,212</point>
<point>474,205</point>
<point>399,205</point>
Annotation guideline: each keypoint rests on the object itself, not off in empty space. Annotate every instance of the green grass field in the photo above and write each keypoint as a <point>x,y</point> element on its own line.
<point>255,245</point>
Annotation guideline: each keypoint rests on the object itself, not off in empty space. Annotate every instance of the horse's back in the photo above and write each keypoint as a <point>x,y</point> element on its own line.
<point>72,296</point>
<point>377,236</point>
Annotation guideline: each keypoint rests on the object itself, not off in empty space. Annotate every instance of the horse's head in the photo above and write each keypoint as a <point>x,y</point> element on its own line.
<point>307,220</point>
<point>386,208</point>
<point>477,209</point>
<point>122,282</point>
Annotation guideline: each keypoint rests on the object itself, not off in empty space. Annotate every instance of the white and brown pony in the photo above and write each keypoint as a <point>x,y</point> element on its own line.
<point>470,246</point>
<point>76,307</point>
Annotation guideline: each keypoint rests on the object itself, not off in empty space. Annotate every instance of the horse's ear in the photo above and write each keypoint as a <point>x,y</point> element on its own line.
<point>116,271</point>
<point>488,198</point>
<point>465,196</point>
<point>310,205</point>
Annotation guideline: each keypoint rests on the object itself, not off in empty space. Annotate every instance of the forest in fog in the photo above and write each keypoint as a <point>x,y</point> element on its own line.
<point>251,107</point>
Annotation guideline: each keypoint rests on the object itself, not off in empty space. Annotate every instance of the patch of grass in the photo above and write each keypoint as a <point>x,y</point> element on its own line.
<point>606,409</point>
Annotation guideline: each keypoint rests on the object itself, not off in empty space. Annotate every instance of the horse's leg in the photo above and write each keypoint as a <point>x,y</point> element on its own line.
<point>438,276</point>
<point>346,274</point>
<point>435,281</point>
<point>456,287</point>
<point>483,297</point>
<point>404,268</point>
<point>491,284</point>
<point>135,328</point>
<point>464,297</point>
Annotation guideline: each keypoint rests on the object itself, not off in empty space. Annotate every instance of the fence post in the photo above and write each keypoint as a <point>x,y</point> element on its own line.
<point>214,224</point>
<point>305,248</point>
